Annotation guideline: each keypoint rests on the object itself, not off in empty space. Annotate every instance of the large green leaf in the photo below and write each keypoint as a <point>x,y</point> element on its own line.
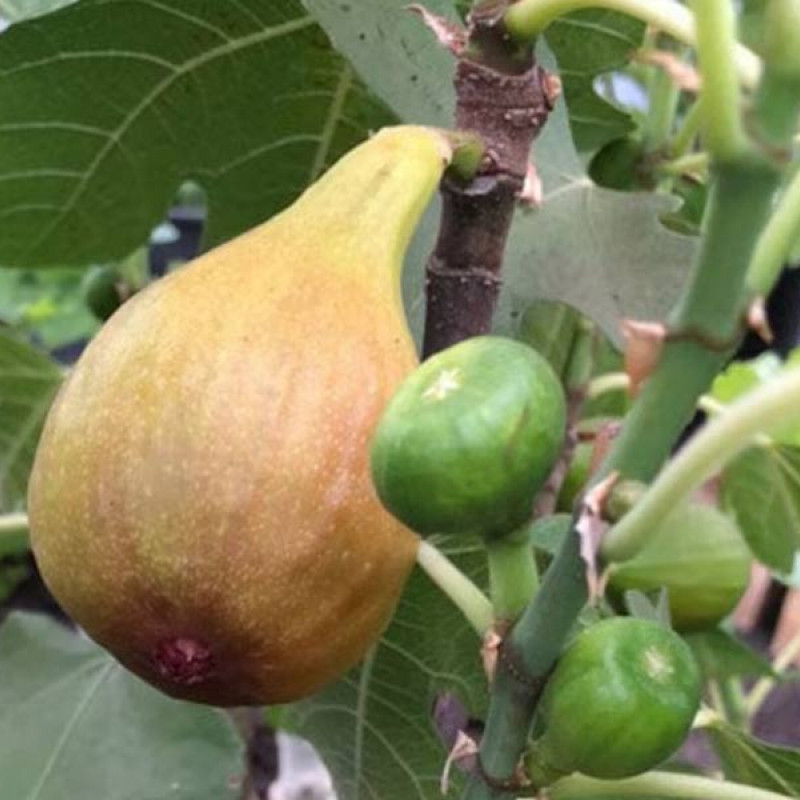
<point>374,728</point>
<point>606,253</point>
<point>28,383</point>
<point>762,488</point>
<point>106,106</point>
<point>74,724</point>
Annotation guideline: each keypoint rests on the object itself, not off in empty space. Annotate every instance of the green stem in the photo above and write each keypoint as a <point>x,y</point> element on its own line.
<point>714,408</point>
<point>610,382</point>
<point>707,317</point>
<point>715,697</point>
<point>728,701</point>
<point>683,141</point>
<point>526,19</point>
<point>735,702</point>
<point>619,382</point>
<point>581,358</point>
<point>771,405</point>
<point>692,162</point>
<point>781,37</point>
<point>775,243</point>
<point>13,534</point>
<point>662,784</point>
<point>533,646</point>
<point>760,692</point>
<point>720,102</point>
<point>472,602</point>
<point>513,577</point>
<point>775,112</point>
<point>663,94</point>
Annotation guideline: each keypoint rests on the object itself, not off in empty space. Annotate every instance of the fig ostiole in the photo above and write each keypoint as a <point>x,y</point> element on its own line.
<point>201,500</point>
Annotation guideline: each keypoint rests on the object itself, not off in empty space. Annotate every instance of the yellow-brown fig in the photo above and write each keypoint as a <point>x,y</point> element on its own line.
<point>201,499</point>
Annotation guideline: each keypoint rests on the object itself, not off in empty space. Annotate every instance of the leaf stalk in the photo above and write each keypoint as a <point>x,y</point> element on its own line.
<point>465,595</point>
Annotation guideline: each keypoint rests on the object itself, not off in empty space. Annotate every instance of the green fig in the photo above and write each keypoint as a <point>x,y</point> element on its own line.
<point>620,700</point>
<point>699,555</point>
<point>469,438</point>
<point>201,500</point>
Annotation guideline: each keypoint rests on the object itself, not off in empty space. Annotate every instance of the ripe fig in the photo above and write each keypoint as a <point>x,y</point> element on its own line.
<point>201,500</point>
<point>700,556</point>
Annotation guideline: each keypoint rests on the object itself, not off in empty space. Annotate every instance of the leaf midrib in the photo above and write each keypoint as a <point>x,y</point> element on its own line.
<point>80,709</point>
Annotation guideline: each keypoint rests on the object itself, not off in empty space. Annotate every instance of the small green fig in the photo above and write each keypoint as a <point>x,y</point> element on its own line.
<point>699,555</point>
<point>620,701</point>
<point>469,438</point>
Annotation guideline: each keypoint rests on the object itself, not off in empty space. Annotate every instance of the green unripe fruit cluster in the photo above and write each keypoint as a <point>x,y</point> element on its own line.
<point>620,701</point>
<point>469,438</point>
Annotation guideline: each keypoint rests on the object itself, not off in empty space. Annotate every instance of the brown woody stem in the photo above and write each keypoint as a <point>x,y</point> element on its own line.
<point>504,98</point>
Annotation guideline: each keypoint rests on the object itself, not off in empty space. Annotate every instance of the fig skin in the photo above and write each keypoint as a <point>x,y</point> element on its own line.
<point>620,701</point>
<point>700,556</point>
<point>201,500</point>
<point>469,438</point>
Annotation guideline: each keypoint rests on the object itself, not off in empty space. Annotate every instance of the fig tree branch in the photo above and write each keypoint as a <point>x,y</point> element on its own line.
<point>775,243</point>
<point>712,304</point>
<point>504,98</point>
